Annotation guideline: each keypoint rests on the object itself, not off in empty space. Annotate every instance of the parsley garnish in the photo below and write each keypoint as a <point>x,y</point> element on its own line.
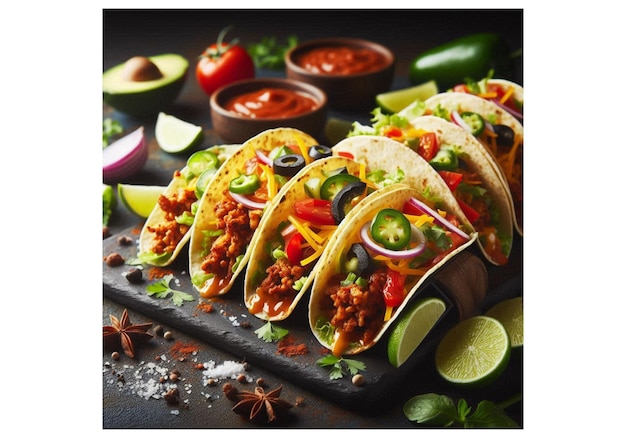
<point>161,289</point>
<point>270,332</point>
<point>336,365</point>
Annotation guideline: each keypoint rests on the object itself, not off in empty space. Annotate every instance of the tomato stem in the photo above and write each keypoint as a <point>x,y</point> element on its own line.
<point>220,48</point>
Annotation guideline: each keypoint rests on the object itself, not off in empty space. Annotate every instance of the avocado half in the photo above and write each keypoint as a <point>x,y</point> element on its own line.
<point>140,98</point>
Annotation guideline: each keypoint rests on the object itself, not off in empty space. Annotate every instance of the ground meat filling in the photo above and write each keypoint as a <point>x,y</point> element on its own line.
<point>168,233</point>
<point>357,309</point>
<point>238,224</point>
<point>280,279</point>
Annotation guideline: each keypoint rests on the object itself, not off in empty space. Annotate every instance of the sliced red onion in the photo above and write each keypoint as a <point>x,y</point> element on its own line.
<point>247,202</point>
<point>519,116</point>
<point>125,156</point>
<point>416,234</point>
<point>438,218</point>
<point>457,119</point>
<point>263,158</point>
<point>288,231</point>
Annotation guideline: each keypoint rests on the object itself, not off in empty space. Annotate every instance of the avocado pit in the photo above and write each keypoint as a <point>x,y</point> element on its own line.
<point>140,69</point>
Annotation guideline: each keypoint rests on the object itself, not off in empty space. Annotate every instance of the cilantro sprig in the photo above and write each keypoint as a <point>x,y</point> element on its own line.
<point>440,410</point>
<point>162,289</point>
<point>270,53</point>
<point>337,364</point>
<point>270,332</point>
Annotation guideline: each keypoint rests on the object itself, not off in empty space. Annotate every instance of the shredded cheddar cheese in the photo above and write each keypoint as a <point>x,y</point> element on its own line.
<point>306,232</point>
<point>388,313</point>
<point>303,150</point>
<point>507,95</point>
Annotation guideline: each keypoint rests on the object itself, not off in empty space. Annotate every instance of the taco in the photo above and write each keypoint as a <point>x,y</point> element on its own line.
<point>501,134</point>
<point>375,263</point>
<point>288,244</point>
<point>504,93</point>
<point>468,171</point>
<point>232,207</point>
<point>166,230</point>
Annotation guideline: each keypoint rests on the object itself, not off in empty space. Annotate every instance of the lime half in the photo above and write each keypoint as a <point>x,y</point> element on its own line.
<point>174,135</point>
<point>511,314</point>
<point>474,352</point>
<point>139,199</point>
<point>411,329</point>
<point>397,100</point>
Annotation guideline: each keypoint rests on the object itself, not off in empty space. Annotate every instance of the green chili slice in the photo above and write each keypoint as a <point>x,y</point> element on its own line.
<point>245,184</point>
<point>391,229</point>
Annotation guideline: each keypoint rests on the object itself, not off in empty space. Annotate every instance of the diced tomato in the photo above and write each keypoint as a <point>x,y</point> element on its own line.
<point>428,146</point>
<point>392,132</point>
<point>345,155</point>
<point>452,179</point>
<point>461,88</point>
<point>294,249</point>
<point>314,210</point>
<point>393,291</point>
<point>471,214</point>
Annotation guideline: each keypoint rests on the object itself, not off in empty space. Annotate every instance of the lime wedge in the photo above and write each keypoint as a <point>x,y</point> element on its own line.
<point>411,329</point>
<point>474,352</point>
<point>511,314</point>
<point>174,135</point>
<point>139,199</point>
<point>397,100</point>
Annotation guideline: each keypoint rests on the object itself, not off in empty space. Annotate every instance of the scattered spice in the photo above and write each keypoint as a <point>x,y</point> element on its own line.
<point>134,276</point>
<point>261,406</point>
<point>171,396</point>
<point>137,229</point>
<point>358,379</point>
<point>115,355</point>
<point>124,240</point>
<point>260,381</point>
<point>205,306</point>
<point>181,351</point>
<point>114,259</point>
<point>288,347</point>
<point>105,232</point>
<point>168,335</point>
<point>230,392</point>
<point>157,272</point>
<point>241,378</point>
<point>299,400</point>
<point>122,333</point>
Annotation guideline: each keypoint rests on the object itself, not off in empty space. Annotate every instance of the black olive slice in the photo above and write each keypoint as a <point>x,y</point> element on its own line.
<point>288,165</point>
<point>359,261</point>
<point>505,135</point>
<point>341,202</point>
<point>318,151</point>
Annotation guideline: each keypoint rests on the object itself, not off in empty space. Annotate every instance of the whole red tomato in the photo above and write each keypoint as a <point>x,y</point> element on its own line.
<point>223,63</point>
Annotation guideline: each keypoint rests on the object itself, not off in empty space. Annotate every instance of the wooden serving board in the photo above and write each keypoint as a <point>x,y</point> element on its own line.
<point>222,328</point>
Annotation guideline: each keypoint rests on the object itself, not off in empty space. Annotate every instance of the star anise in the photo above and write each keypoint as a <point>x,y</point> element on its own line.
<point>123,333</point>
<point>259,405</point>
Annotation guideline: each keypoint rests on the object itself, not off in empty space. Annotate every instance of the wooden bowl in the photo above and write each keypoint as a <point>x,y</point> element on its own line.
<point>347,90</point>
<point>233,127</point>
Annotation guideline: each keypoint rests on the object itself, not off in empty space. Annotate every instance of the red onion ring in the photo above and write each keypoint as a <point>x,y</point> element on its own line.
<point>416,234</point>
<point>247,202</point>
<point>262,157</point>
<point>519,116</point>
<point>458,120</point>
<point>438,218</point>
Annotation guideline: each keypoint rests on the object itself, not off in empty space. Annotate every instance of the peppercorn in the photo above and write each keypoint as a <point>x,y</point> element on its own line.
<point>230,392</point>
<point>358,379</point>
<point>114,259</point>
<point>134,276</point>
<point>171,396</point>
<point>115,355</point>
<point>168,335</point>
<point>124,240</point>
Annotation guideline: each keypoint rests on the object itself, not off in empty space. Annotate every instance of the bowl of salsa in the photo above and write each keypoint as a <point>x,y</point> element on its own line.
<point>351,71</point>
<point>245,108</point>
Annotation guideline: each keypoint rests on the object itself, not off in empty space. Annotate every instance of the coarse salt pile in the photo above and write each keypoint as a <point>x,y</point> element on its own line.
<point>227,370</point>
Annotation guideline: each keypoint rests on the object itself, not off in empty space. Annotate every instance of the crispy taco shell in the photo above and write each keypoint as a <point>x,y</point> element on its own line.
<point>481,163</point>
<point>509,160</point>
<point>348,233</point>
<point>158,220</point>
<point>208,283</point>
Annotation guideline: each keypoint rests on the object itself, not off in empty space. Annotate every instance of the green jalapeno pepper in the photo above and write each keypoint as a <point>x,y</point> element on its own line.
<point>333,184</point>
<point>245,184</point>
<point>391,229</point>
<point>471,56</point>
<point>475,121</point>
<point>445,159</point>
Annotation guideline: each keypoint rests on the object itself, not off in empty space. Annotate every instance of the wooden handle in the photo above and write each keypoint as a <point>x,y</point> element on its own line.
<point>465,278</point>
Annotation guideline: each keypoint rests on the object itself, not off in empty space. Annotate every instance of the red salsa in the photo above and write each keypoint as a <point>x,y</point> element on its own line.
<point>271,103</point>
<point>340,60</point>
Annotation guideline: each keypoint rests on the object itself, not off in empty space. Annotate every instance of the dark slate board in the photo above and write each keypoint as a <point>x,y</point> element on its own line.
<point>217,329</point>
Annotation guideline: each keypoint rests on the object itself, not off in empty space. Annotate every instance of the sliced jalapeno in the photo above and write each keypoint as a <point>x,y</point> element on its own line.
<point>203,181</point>
<point>445,159</point>
<point>318,151</point>
<point>200,161</point>
<point>505,135</point>
<point>391,229</point>
<point>340,204</point>
<point>245,184</point>
<point>288,165</point>
<point>475,121</point>
<point>333,184</point>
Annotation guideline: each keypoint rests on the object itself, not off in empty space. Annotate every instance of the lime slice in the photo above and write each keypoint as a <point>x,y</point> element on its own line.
<point>474,352</point>
<point>336,130</point>
<point>139,199</point>
<point>174,135</point>
<point>397,100</point>
<point>411,329</point>
<point>511,314</point>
